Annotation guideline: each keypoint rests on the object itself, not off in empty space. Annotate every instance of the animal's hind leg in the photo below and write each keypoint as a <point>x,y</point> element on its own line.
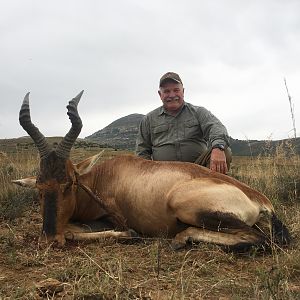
<point>219,228</point>
<point>232,238</point>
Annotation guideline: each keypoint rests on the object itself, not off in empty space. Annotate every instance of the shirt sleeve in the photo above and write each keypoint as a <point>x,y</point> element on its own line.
<point>143,140</point>
<point>213,130</point>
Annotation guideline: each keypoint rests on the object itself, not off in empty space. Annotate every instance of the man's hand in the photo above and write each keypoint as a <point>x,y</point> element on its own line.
<point>218,161</point>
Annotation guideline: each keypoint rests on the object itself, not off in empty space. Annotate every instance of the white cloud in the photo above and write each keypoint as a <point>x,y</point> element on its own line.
<point>232,56</point>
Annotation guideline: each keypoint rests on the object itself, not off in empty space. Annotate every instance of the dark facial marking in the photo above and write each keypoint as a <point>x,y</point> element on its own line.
<point>52,167</point>
<point>49,213</point>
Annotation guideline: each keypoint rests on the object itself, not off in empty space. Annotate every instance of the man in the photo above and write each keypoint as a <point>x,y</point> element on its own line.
<point>181,131</point>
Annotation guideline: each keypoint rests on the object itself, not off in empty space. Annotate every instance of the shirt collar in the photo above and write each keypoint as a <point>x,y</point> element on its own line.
<point>163,111</point>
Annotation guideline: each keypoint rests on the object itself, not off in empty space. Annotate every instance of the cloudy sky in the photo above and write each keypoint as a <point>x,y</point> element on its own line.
<point>232,56</point>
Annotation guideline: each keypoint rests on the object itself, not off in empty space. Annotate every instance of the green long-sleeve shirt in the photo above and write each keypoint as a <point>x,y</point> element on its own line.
<point>182,137</point>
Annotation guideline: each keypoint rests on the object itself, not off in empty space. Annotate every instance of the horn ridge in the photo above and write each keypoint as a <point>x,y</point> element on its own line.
<point>64,147</point>
<point>25,121</point>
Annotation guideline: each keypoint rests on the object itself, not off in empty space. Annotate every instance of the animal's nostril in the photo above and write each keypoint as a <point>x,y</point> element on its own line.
<point>56,241</point>
<point>60,240</point>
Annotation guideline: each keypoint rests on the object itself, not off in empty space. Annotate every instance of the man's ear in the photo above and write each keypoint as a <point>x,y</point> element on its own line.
<point>29,182</point>
<point>159,93</point>
<point>86,165</point>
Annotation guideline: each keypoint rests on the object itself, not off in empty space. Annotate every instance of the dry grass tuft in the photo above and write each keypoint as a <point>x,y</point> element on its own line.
<point>276,175</point>
<point>148,269</point>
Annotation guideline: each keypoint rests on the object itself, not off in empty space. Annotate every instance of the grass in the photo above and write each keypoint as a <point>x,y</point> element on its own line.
<point>276,175</point>
<point>149,269</point>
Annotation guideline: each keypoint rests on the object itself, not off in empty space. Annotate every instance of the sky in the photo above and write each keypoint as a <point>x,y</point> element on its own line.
<point>232,57</point>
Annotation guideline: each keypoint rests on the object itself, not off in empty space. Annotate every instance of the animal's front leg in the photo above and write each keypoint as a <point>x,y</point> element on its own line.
<point>83,236</point>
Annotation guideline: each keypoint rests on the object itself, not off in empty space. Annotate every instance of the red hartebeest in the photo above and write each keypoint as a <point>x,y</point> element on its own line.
<point>183,201</point>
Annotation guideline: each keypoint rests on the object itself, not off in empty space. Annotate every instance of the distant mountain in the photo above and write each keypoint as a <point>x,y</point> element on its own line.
<point>26,143</point>
<point>255,147</point>
<point>121,134</point>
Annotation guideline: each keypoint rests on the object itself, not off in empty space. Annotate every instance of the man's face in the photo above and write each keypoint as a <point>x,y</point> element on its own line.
<point>172,96</point>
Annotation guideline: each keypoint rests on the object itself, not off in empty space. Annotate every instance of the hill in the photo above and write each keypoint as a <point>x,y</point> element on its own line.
<point>120,134</point>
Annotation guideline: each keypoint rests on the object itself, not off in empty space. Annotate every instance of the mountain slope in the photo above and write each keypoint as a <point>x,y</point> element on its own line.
<point>119,134</point>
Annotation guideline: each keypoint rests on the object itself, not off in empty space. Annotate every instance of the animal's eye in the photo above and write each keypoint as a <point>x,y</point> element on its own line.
<point>64,187</point>
<point>41,196</point>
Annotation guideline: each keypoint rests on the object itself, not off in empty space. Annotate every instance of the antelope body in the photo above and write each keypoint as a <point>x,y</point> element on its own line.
<point>179,200</point>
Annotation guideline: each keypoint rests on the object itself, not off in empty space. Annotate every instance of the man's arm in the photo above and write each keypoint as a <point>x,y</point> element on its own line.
<point>216,133</point>
<point>213,130</point>
<point>143,141</point>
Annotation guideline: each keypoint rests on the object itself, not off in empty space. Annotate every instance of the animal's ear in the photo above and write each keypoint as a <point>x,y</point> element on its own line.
<point>29,182</point>
<point>86,165</point>
<point>71,171</point>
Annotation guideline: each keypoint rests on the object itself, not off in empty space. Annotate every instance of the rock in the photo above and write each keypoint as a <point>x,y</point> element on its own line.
<point>49,287</point>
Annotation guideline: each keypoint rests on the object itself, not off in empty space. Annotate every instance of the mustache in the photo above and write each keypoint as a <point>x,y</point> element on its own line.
<point>176,98</point>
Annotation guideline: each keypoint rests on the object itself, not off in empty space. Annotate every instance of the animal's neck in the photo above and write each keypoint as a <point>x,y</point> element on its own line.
<point>87,207</point>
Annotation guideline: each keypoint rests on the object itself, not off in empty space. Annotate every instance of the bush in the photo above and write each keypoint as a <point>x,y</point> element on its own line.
<point>14,204</point>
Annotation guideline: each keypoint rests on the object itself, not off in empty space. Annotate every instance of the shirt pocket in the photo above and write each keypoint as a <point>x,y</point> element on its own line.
<point>191,129</point>
<point>160,134</point>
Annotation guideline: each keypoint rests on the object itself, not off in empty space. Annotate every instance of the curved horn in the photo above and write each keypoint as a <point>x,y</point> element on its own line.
<point>64,147</point>
<point>25,121</point>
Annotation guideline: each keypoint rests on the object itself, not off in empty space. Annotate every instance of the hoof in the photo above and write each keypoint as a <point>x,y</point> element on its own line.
<point>132,233</point>
<point>175,245</point>
<point>69,235</point>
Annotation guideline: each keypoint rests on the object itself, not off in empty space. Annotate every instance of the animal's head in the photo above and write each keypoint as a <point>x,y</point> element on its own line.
<point>55,181</point>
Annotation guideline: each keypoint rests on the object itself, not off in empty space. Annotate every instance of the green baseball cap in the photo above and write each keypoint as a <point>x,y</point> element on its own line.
<point>169,76</point>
